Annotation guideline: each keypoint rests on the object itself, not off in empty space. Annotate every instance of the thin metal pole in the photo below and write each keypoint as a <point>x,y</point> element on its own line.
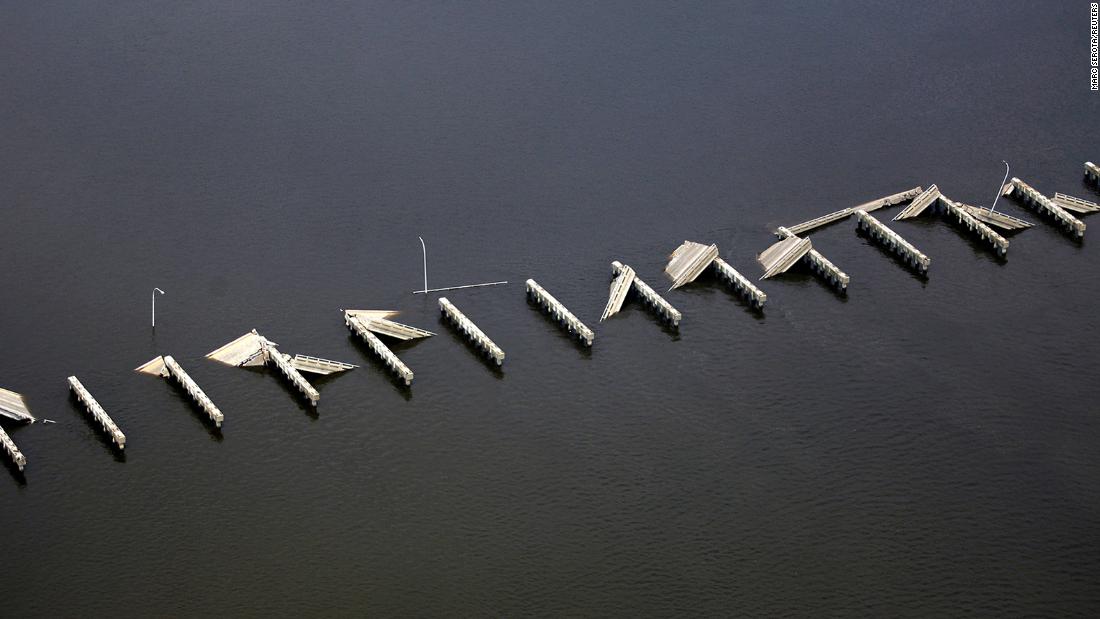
<point>459,287</point>
<point>155,291</point>
<point>1002,186</point>
<point>424,249</point>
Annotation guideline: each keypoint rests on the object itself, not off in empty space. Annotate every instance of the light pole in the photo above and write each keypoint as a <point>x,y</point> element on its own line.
<point>1002,186</point>
<point>155,291</point>
<point>424,248</point>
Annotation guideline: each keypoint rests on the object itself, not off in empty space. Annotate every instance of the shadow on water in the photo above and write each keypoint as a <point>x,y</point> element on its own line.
<point>655,317</point>
<point>1050,220</point>
<point>395,381</point>
<point>20,477</point>
<point>630,309</point>
<point>299,398</point>
<point>197,412</point>
<point>78,406</point>
<point>320,380</point>
<point>713,284</point>
<point>559,329</point>
<point>980,248</point>
<point>802,274</point>
<point>1095,189</point>
<point>304,405</point>
<point>456,335</point>
<point>875,245</point>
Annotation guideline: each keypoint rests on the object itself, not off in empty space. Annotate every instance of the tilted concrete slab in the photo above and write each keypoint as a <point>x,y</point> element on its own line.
<point>783,255</point>
<point>1077,205</point>
<point>897,198</point>
<point>688,261</point>
<point>996,218</point>
<point>919,204</point>
<point>617,293</point>
<point>14,406</point>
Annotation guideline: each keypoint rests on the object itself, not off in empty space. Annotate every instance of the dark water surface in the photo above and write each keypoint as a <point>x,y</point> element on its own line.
<point>915,448</point>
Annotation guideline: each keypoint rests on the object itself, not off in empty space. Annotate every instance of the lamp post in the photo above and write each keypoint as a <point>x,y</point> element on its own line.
<point>424,249</point>
<point>1002,185</point>
<point>155,291</point>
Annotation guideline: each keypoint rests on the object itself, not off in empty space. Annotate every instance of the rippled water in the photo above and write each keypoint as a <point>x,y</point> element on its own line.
<point>917,447</point>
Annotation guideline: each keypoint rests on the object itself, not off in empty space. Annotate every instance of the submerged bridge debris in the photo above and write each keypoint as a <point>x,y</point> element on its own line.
<point>253,349</point>
<point>873,205</point>
<point>378,321</point>
<point>819,264</point>
<point>1076,205</point>
<point>105,422</point>
<point>648,295</point>
<point>791,248</point>
<point>892,241</point>
<point>559,312</point>
<point>470,330</point>
<point>1031,198</point>
<point>996,218</point>
<point>167,367</point>
<point>974,219</point>
<point>965,217</point>
<point>685,265</point>
<point>690,259</point>
<point>369,324</point>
